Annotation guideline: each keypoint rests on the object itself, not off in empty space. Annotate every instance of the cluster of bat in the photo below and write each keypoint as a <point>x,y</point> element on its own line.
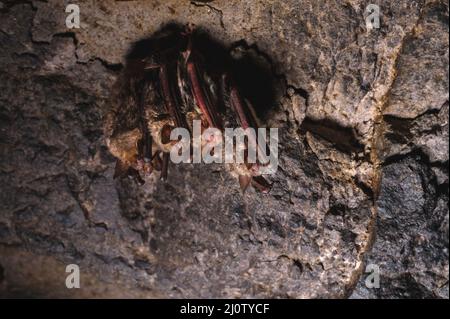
<point>168,83</point>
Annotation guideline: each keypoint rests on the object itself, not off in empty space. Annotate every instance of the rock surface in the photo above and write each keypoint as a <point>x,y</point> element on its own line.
<point>363,177</point>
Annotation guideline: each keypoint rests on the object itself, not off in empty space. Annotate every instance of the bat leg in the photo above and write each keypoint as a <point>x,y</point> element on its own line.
<point>165,166</point>
<point>261,184</point>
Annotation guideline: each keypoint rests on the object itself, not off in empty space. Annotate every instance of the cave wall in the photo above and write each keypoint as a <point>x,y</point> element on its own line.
<point>363,177</point>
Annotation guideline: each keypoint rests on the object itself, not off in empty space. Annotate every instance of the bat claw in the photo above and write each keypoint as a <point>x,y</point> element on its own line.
<point>134,174</point>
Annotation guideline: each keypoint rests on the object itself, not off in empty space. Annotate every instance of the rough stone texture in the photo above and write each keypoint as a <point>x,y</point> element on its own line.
<point>363,119</point>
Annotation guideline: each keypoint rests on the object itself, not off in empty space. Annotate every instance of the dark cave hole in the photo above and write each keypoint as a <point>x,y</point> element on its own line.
<point>250,68</point>
<point>343,138</point>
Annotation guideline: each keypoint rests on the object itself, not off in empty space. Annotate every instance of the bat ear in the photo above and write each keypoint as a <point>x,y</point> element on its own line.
<point>261,184</point>
<point>244,181</point>
<point>121,169</point>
